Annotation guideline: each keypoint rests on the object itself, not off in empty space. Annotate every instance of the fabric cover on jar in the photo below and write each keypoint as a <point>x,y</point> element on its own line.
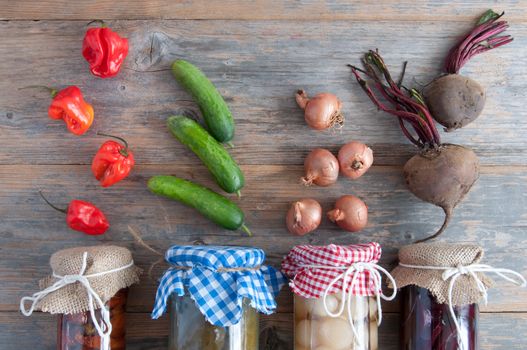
<point>108,269</point>
<point>446,255</point>
<point>84,280</point>
<point>218,279</point>
<point>452,274</point>
<point>341,288</point>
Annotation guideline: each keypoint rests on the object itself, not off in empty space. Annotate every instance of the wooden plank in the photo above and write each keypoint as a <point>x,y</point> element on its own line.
<point>31,231</point>
<point>497,331</point>
<point>358,10</point>
<point>257,66</point>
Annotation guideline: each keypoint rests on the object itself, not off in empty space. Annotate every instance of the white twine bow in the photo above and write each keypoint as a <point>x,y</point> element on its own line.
<point>104,327</point>
<point>355,270</point>
<point>453,273</point>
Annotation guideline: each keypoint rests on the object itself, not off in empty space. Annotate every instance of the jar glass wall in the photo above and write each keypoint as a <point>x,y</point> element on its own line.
<point>428,325</point>
<point>190,331</point>
<point>315,329</point>
<point>77,331</point>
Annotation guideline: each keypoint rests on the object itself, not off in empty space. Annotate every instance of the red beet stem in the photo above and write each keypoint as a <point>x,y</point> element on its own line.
<point>424,110</point>
<point>414,119</point>
<point>416,141</point>
<point>483,37</point>
<point>373,59</point>
<point>485,41</point>
<point>408,109</point>
<point>409,136</point>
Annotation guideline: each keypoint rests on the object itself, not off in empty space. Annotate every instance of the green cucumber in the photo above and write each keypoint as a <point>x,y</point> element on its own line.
<point>210,204</point>
<point>215,111</point>
<point>226,172</point>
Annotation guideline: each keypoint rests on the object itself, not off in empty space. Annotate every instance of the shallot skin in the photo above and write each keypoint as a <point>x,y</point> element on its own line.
<point>321,111</point>
<point>350,213</point>
<point>321,168</point>
<point>303,216</point>
<point>355,158</point>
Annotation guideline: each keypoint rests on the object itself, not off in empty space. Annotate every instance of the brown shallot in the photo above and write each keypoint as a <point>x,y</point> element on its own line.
<point>350,213</point>
<point>321,111</point>
<point>303,216</point>
<point>321,168</point>
<point>355,159</point>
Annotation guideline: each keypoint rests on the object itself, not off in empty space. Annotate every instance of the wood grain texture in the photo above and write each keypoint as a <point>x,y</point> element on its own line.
<point>257,66</point>
<point>395,218</point>
<point>258,53</point>
<point>357,10</point>
<point>497,331</point>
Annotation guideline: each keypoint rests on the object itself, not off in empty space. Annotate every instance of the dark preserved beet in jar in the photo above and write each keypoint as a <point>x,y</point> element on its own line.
<point>77,331</point>
<point>428,325</point>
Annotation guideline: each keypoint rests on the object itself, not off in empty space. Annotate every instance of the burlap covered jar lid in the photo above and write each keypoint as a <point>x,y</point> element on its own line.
<point>429,263</point>
<point>108,269</point>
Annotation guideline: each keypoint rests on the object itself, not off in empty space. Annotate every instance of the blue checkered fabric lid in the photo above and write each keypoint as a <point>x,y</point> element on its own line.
<point>218,279</point>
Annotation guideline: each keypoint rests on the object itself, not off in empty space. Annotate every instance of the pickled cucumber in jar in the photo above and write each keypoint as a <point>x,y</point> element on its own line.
<point>191,331</point>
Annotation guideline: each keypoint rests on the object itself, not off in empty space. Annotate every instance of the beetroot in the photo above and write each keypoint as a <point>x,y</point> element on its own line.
<point>441,174</point>
<point>455,100</point>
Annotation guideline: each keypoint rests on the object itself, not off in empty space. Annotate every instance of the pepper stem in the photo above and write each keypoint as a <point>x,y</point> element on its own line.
<point>50,204</point>
<point>52,91</point>
<point>246,230</point>
<point>124,151</point>
<point>100,21</point>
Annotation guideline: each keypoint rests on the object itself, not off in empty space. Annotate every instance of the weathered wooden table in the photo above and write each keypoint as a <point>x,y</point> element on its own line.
<point>257,53</point>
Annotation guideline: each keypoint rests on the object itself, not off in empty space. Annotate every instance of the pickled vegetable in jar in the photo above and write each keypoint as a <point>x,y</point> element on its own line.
<point>442,285</point>
<point>88,288</point>
<point>316,329</point>
<point>189,330</point>
<point>337,292</point>
<point>77,331</point>
<point>216,294</point>
<point>428,324</point>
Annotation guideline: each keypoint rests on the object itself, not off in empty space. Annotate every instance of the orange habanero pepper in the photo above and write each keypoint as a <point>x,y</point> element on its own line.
<point>68,104</point>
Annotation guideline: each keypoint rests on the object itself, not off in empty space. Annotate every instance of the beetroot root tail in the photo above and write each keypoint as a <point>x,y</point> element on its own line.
<point>448,216</point>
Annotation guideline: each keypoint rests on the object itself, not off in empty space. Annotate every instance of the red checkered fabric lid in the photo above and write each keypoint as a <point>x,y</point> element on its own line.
<point>313,268</point>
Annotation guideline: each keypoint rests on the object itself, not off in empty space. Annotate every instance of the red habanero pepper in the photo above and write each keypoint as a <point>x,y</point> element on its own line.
<point>68,104</point>
<point>83,216</point>
<point>104,50</point>
<point>113,162</point>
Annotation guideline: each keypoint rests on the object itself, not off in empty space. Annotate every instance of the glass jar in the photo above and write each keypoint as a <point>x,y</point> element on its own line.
<point>77,331</point>
<point>428,325</point>
<point>190,331</point>
<point>316,330</point>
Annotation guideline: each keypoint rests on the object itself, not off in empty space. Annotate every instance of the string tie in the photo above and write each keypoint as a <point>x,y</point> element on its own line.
<point>104,326</point>
<point>453,273</point>
<point>350,277</point>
